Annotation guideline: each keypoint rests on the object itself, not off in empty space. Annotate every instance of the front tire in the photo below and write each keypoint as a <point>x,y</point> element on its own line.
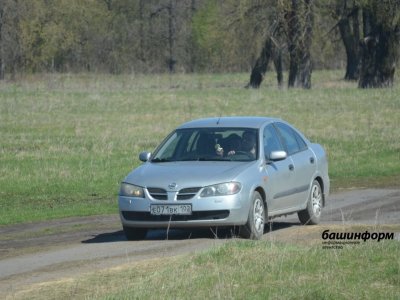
<point>312,214</point>
<point>134,234</point>
<point>254,228</point>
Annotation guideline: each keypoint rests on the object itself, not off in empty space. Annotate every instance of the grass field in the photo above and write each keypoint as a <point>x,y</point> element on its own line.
<point>68,140</point>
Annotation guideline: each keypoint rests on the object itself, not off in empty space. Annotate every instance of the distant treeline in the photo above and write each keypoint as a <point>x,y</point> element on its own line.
<point>145,36</point>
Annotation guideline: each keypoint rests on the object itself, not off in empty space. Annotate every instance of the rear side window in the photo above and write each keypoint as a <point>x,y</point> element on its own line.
<point>291,139</point>
<point>300,141</point>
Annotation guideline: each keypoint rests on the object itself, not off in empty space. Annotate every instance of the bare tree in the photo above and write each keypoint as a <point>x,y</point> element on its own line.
<point>349,28</point>
<point>9,37</point>
<point>294,24</point>
<point>272,49</point>
<point>1,41</point>
<point>170,8</point>
<point>380,45</point>
<point>298,16</point>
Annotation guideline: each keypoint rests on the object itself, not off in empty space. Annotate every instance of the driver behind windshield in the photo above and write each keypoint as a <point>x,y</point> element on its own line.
<point>249,142</point>
<point>240,144</point>
<point>245,144</point>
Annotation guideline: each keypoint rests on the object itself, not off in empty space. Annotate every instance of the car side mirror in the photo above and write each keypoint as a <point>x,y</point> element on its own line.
<point>144,156</point>
<point>277,155</point>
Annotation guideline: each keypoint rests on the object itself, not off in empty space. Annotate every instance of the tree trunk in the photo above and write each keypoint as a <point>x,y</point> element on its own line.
<point>191,42</point>
<point>350,34</point>
<point>2,72</point>
<point>278,67</point>
<point>299,22</point>
<point>378,60</point>
<point>352,50</point>
<point>379,52</point>
<point>259,69</point>
<point>171,36</point>
<point>2,75</point>
<point>348,25</point>
<point>141,32</point>
<point>270,50</point>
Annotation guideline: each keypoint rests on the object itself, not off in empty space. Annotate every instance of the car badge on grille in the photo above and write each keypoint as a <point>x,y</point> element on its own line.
<point>172,186</point>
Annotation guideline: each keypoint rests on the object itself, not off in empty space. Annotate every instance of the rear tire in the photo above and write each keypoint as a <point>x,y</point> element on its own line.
<point>254,228</point>
<point>312,214</point>
<point>134,234</point>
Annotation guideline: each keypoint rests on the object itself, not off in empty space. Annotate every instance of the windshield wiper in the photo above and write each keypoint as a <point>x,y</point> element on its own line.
<point>212,159</point>
<point>188,159</point>
<point>157,160</point>
<point>160,160</point>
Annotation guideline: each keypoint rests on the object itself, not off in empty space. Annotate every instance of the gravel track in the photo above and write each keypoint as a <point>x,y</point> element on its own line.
<point>51,250</point>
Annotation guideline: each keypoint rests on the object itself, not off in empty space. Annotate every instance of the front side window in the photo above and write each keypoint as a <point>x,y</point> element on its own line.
<point>230,144</point>
<point>271,141</point>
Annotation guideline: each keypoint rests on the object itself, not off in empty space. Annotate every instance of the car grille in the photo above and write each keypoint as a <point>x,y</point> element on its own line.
<point>157,193</point>
<point>188,193</point>
<point>196,215</point>
<point>183,194</point>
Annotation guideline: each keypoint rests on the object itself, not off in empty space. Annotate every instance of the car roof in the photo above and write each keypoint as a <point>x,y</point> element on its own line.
<point>246,122</point>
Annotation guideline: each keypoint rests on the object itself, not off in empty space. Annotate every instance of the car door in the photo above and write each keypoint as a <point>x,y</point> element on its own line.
<point>279,176</point>
<point>303,162</point>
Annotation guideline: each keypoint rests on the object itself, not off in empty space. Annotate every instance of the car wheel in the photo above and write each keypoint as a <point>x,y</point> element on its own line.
<point>254,228</point>
<point>312,214</point>
<point>134,234</point>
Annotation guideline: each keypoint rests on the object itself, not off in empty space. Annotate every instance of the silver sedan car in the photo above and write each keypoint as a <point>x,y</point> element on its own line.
<point>228,171</point>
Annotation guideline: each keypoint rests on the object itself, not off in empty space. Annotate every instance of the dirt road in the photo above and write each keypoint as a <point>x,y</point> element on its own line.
<point>40,252</point>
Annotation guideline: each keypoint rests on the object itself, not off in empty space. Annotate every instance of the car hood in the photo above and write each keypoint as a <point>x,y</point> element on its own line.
<point>186,174</point>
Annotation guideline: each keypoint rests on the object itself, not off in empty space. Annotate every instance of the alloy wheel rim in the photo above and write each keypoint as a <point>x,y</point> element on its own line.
<point>258,215</point>
<point>316,200</point>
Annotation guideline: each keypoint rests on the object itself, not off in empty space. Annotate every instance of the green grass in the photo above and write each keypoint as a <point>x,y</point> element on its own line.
<point>245,270</point>
<point>68,140</point>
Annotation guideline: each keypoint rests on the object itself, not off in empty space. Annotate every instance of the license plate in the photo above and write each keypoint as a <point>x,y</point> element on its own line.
<point>165,209</point>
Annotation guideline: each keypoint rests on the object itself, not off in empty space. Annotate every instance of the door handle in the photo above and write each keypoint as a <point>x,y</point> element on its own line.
<point>291,167</point>
<point>312,160</point>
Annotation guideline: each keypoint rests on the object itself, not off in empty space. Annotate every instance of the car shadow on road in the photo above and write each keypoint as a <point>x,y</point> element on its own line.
<point>183,234</point>
<point>108,237</point>
<point>276,226</point>
<point>163,234</point>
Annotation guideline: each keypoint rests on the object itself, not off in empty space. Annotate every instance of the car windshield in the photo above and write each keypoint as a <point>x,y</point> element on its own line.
<point>209,144</point>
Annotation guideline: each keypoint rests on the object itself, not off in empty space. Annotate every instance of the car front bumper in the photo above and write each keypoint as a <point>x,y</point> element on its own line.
<point>211,211</point>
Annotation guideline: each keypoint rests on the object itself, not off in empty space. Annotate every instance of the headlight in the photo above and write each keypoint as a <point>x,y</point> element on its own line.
<point>223,189</point>
<point>130,190</point>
